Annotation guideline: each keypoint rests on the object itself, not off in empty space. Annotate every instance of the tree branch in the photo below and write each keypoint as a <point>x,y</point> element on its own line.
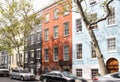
<point>104,18</point>
<point>78,2</point>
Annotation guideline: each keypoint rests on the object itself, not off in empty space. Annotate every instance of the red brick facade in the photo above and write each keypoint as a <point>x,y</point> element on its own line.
<point>59,42</point>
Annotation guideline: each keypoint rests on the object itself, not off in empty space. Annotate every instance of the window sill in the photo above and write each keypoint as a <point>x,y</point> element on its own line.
<point>112,51</point>
<point>66,35</point>
<point>111,25</point>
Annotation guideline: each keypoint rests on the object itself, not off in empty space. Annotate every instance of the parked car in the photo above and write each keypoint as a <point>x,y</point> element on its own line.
<point>112,77</point>
<point>57,76</point>
<point>4,71</point>
<point>21,74</point>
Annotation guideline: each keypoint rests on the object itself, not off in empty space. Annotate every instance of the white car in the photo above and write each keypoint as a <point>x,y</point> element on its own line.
<point>22,74</point>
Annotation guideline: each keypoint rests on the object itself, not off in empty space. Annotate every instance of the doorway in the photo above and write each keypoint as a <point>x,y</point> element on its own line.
<point>112,65</point>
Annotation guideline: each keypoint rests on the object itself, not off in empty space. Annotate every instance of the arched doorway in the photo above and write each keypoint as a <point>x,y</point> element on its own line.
<point>112,65</point>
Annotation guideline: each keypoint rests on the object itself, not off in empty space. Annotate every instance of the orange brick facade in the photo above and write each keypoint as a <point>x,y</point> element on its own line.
<point>60,42</point>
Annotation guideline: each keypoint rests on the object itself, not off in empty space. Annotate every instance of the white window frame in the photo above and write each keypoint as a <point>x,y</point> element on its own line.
<point>66,9</point>
<point>111,20</point>
<point>79,72</point>
<point>79,51</point>
<point>111,44</point>
<point>66,53</point>
<point>38,53</point>
<point>47,15</point>
<point>39,36</point>
<point>93,52</point>
<point>56,11</point>
<point>46,34</point>
<point>55,53</point>
<point>78,25</point>
<point>66,28</point>
<point>55,31</point>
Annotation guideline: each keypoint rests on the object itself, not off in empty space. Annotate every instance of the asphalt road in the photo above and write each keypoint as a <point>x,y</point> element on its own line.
<point>7,79</point>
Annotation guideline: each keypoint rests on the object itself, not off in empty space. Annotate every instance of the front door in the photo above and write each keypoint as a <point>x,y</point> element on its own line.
<point>112,65</point>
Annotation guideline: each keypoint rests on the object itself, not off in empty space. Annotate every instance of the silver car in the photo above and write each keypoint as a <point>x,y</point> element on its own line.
<point>21,74</point>
<point>112,77</point>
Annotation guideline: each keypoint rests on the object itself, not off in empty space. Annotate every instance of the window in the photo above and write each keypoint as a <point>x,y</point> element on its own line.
<point>94,72</point>
<point>92,2</point>
<point>56,11</point>
<point>26,57</point>
<point>93,51</point>
<point>66,28</point>
<point>26,41</point>
<point>56,31</point>
<point>93,17</point>
<point>79,72</point>
<point>46,58</point>
<point>66,9</point>
<point>79,51</point>
<point>78,25</point>
<point>32,39</point>
<point>47,18</point>
<point>55,53</point>
<point>46,34</point>
<point>66,52</point>
<point>111,18</point>
<point>32,57</point>
<point>38,54</point>
<point>39,37</point>
<point>111,44</point>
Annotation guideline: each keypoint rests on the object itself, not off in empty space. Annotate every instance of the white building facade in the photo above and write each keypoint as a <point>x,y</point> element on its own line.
<point>85,63</point>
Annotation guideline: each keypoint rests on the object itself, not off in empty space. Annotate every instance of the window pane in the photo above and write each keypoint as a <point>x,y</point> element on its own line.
<point>66,53</point>
<point>56,11</point>
<point>55,53</point>
<point>79,51</point>
<point>46,34</point>
<point>111,18</point>
<point>111,44</point>
<point>66,28</point>
<point>94,72</point>
<point>78,25</point>
<point>93,51</point>
<point>56,31</point>
<point>79,72</point>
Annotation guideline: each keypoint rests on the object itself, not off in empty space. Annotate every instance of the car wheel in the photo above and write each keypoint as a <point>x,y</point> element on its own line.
<point>11,76</point>
<point>21,78</point>
<point>44,80</point>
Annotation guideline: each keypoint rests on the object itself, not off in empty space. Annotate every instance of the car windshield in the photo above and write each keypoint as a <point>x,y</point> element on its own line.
<point>68,74</point>
<point>24,71</point>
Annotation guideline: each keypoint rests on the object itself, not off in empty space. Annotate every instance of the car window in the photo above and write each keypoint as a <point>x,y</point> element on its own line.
<point>116,75</point>
<point>68,74</point>
<point>58,75</point>
<point>51,74</point>
<point>24,71</point>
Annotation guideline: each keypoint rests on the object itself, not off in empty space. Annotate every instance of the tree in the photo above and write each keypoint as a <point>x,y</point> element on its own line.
<point>17,19</point>
<point>89,25</point>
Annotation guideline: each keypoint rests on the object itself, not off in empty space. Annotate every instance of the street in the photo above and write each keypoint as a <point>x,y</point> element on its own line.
<point>7,79</point>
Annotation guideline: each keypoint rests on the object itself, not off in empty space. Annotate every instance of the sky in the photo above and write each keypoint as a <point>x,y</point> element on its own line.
<point>38,4</point>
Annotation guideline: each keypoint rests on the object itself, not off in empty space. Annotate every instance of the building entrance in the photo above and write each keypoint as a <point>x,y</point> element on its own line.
<point>112,65</point>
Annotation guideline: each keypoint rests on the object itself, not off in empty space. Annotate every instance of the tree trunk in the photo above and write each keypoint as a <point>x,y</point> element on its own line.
<point>103,69</point>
